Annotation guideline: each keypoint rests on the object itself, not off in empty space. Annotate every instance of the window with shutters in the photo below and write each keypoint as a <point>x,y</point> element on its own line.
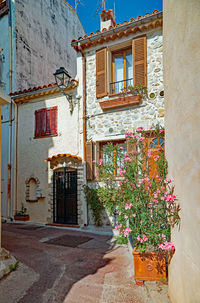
<point>127,68</point>
<point>46,122</point>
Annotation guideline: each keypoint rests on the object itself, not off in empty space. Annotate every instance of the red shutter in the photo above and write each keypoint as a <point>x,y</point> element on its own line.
<point>46,122</point>
<point>139,49</point>
<point>101,73</point>
<point>53,120</point>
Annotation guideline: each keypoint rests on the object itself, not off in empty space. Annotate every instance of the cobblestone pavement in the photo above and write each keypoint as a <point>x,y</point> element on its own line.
<point>94,271</point>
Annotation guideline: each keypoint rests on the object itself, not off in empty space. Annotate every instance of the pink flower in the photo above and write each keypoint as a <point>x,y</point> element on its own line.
<point>139,129</point>
<point>120,182</point>
<point>161,131</point>
<point>127,231</point>
<point>133,215</point>
<point>170,198</point>
<point>100,161</point>
<point>145,238</point>
<point>139,239</point>
<point>163,237</point>
<point>149,154</point>
<point>141,139</point>
<point>156,158</point>
<point>125,216</point>
<point>121,147</point>
<point>127,159</point>
<point>162,198</point>
<point>128,206</point>
<point>167,246</point>
<point>167,180</point>
<point>160,149</point>
<point>156,201</point>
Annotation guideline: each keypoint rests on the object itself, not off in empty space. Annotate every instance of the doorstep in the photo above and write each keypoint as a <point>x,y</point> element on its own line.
<point>63,225</point>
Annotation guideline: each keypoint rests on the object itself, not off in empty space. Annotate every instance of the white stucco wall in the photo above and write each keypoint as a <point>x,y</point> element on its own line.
<point>115,122</point>
<point>32,152</point>
<point>182,124</point>
<point>43,40</point>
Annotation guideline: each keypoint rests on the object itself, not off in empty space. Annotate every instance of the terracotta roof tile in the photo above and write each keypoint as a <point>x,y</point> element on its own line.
<point>140,17</point>
<point>35,88</point>
<point>49,159</point>
<point>31,89</point>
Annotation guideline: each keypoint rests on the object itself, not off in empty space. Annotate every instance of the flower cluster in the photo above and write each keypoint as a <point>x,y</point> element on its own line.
<point>146,203</point>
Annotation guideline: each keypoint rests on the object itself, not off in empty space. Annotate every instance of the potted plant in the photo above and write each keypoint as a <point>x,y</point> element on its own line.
<point>21,215</point>
<point>147,206</point>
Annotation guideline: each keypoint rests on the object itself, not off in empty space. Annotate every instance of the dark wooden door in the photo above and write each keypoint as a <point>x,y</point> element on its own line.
<point>65,197</point>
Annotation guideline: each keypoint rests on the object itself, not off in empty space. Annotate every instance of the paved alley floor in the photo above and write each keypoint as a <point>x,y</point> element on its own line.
<point>65,266</point>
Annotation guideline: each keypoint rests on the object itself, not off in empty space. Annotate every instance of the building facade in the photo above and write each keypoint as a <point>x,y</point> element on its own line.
<point>50,172</point>
<point>116,63</point>
<point>34,42</point>
<point>182,123</point>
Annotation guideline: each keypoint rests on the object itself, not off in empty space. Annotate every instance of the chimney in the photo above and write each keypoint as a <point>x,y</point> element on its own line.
<point>107,19</point>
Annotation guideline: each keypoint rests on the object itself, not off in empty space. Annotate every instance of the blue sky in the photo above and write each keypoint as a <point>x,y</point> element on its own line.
<point>124,10</point>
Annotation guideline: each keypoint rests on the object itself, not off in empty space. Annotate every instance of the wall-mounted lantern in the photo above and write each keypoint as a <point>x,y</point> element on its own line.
<point>63,81</point>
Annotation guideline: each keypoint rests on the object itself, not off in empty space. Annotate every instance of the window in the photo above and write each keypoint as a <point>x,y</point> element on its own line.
<point>112,156</point>
<point>3,7</point>
<point>127,68</point>
<point>46,122</point>
<point>122,71</point>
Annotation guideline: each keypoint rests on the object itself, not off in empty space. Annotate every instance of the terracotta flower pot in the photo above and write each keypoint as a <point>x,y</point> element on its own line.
<point>21,218</point>
<point>149,266</point>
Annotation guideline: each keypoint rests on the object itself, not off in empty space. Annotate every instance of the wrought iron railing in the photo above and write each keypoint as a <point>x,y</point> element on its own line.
<point>120,86</point>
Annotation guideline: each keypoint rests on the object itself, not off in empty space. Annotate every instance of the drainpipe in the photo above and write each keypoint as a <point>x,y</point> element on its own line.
<point>15,160</point>
<point>79,49</point>
<point>84,101</point>
<point>10,113</point>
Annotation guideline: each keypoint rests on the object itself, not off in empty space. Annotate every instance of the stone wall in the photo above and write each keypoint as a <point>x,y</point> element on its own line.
<point>43,40</point>
<point>150,111</point>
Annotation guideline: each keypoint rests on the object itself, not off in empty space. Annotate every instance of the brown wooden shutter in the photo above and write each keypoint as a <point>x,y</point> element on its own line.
<point>130,146</point>
<point>89,160</point>
<point>101,73</point>
<point>139,48</point>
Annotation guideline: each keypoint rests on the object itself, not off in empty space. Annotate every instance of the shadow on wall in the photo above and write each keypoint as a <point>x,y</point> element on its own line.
<point>32,150</point>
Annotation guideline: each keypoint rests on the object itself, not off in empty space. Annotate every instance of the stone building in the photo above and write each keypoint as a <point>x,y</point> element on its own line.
<point>34,42</point>
<point>114,59</point>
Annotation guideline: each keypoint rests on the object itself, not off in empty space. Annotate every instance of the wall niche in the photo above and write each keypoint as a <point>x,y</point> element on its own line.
<point>33,191</point>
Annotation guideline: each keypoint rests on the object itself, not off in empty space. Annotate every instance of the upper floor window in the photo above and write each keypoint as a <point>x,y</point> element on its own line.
<point>46,122</point>
<point>4,7</point>
<point>127,68</point>
<point>122,71</point>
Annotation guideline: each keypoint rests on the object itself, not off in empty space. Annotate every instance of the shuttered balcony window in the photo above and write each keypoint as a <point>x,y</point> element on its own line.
<point>128,67</point>
<point>46,122</point>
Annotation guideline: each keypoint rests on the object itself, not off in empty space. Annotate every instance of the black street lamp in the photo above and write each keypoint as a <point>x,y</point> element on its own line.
<point>63,81</point>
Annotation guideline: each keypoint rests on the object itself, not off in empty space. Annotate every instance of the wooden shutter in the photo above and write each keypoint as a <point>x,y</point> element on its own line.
<point>89,160</point>
<point>51,120</point>
<point>139,49</point>
<point>101,73</point>
<point>39,122</point>
<point>130,146</point>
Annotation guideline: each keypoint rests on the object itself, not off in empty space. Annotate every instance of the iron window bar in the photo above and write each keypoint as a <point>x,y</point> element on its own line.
<point>120,86</point>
